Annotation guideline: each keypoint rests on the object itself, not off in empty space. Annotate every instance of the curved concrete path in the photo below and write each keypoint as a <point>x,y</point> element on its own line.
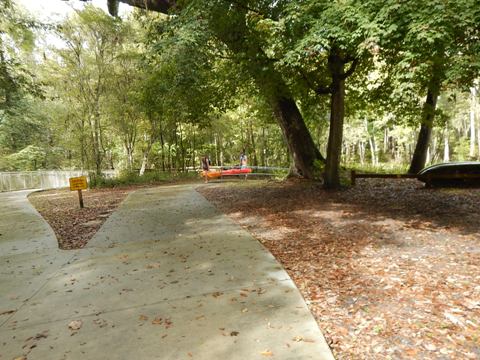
<point>166,277</point>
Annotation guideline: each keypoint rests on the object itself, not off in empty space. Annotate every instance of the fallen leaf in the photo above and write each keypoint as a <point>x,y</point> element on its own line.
<point>266,353</point>
<point>430,347</point>
<point>75,324</point>
<point>157,321</point>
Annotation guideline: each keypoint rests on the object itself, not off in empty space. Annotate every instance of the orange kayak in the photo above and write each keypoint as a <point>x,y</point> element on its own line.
<point>214,174</point>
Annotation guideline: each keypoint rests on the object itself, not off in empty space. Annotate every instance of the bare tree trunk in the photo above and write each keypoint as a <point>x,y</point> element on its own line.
<point>373,150</point>
<point>146,153</point>
<point>252,141</point>
<point>194,150</point>
<point>182,148</point>
<point>446,147</point>
<point>385,141</point>
<point>162,143</point>
<point>473,101</point>
<point>361,152</point>
<point>478,140</point>
<point>298,138</point>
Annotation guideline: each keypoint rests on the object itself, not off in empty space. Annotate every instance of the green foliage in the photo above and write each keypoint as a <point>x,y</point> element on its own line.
<point>157,92</point>
<point>126,178</point>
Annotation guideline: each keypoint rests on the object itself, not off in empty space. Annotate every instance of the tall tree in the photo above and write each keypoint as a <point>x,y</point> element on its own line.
<point>228,21</point>
<point>92,46</point>
<point>326,40</point>
<point>430,47</point>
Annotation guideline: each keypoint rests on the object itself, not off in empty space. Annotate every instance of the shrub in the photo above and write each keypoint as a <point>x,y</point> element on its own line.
<point>125,178</point>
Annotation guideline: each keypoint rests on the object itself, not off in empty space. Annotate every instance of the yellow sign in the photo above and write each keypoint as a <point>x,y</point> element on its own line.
<point>78,183</point>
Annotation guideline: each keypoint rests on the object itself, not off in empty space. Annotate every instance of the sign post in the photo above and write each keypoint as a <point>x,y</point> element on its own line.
<point>79,184</point>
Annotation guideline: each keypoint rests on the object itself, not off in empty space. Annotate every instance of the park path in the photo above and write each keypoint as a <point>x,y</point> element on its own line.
<point>166,277</point>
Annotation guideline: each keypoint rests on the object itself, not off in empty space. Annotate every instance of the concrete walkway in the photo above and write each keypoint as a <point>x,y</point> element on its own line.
<point>166,277</point>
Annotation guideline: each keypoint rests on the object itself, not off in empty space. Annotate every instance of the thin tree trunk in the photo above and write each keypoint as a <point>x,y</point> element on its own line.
<point>361,152</point>
<point>472,121</point>
<point>162,144</point>
<point>478,140</point>
<point>254,148</point>
<point>194,151</point>
<point>182,148</point>
<point>146,153</point>
<point>373,150</point>
<point>263,147</point>
<point>446,147</point>
<point>385,141</point>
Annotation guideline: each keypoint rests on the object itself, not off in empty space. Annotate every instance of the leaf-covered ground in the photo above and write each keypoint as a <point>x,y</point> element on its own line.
<point>388,268</point>
<point>74,226</point>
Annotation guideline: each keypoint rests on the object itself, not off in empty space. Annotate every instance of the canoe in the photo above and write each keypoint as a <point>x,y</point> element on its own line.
<point>454,174</point>
<point>215,174</point>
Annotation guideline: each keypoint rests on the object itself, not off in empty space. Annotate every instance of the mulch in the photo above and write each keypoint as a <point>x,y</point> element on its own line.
<point>73,226</point>
<point>388,268</point>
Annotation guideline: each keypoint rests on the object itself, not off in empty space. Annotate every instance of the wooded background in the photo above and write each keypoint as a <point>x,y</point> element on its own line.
<point>376,84</point>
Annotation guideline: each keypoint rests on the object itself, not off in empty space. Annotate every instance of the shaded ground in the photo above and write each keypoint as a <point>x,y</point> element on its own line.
<point>74,226</point>
<point>166,277</point>
<point>388,268</point>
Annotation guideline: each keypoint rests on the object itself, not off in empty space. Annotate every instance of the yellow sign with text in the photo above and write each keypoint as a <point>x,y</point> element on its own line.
<point>78,183</point>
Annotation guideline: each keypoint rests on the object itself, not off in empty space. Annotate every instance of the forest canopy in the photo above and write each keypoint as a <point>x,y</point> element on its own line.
<point>317,86</point>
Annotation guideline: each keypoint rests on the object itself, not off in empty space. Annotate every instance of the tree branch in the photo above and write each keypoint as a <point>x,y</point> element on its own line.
<point>162,6</point>
<point>319,90</point>
<point>351,70</point>
<point>323,90</point>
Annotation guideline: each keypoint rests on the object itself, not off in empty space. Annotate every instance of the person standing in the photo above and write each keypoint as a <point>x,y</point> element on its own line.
<point>205,167</point>
<point>243,160</point>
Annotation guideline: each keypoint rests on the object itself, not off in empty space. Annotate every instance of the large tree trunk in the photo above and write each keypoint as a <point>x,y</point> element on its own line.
<point>337,113</point>
<point>298,138</point>
<point>420,154</point>
<point>419,157</point>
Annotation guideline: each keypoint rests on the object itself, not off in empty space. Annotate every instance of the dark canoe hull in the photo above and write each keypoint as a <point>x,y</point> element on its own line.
<point>455,174</point>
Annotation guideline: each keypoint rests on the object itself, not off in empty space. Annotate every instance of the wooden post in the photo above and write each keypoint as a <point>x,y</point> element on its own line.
<point>78,183</point>
<point>80,198</point>
<point>352,177</point>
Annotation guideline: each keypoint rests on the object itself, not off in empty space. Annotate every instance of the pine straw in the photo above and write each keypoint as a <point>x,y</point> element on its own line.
<point>389,269</point>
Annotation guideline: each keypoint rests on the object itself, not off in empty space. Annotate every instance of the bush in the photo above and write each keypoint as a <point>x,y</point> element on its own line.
<point>133,178</point>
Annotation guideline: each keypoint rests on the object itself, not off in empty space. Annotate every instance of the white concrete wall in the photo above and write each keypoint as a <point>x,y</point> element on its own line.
<point>11,181</point>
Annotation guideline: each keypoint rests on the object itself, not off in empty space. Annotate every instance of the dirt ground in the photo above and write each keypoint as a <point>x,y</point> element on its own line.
<point>388,268</point>
<point>74,226</point>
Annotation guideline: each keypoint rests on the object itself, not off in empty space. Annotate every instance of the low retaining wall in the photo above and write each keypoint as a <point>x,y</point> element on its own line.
<point>11,181</point>
<point>22,180</point>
